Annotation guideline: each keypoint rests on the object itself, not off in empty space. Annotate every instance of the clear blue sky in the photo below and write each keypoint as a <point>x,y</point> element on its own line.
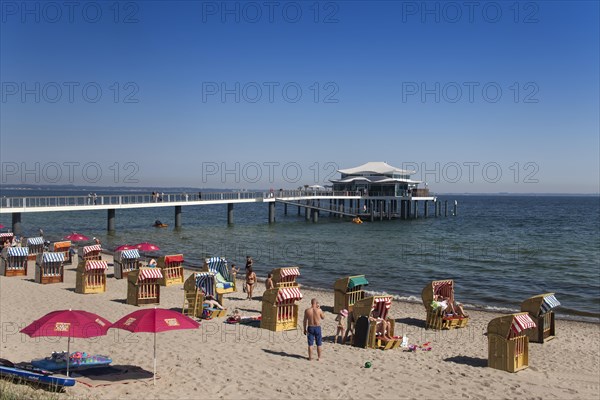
<point>369,62</point>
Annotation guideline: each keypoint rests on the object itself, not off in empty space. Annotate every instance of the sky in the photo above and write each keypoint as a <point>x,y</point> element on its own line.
<point>480,97</point>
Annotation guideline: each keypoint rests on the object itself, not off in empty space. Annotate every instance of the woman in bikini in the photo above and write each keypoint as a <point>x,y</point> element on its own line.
<point>250,282</point>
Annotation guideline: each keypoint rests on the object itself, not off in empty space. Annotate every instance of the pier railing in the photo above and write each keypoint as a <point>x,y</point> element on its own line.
<point>159,199</point>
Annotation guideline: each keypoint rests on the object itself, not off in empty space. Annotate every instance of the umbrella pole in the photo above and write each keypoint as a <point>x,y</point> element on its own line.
<point>68,353</point>
<point>154,375</point>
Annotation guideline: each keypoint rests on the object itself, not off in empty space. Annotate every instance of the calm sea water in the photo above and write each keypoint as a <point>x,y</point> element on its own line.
<point>499,249</point>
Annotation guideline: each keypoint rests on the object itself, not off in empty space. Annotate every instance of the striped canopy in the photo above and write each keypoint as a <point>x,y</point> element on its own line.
<point>205,281</point>
<point>35,241</point>
<point>219,265</point>
<point>288,293</point>
<point>53,257</point>
<point>382,304</point>
<point>6,234</point>
<point>293,271</point>
<point>548,304</point>
<point>95,264</point>
<point>18,251</point>
<point>149,273</point>
<point>130,253</point>
<point>442,288</point>
<point>522,322</point>
<point>92,248</point>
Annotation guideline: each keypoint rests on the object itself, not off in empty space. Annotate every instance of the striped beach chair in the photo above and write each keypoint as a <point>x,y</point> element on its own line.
<point>49,268</point>
<point>196,288</point>
<point>348,291</point>
<point>508,342</point>
<point>90,252</point>
<point>91,277</point>
<point>13,261</point>
<point>225,280</point>
<point>541,310</point>
<point>286,276</point>
<point>362,310</point>
<point>280,308</point>
<point>436,317</point>
<point>36,246</point>
<point>6,237</point>
<point>125,262</point>
<point>143,286</point>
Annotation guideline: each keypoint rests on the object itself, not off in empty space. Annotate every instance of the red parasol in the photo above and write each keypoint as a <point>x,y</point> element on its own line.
<point>155,320</point>
<point>69,323</point>
<point>125,247</point>
<point>146,247</point>
<point>76,237</point>
<point>1,226</point>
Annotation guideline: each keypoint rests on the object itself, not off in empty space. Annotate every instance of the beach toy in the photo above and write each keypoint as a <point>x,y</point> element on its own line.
<point>368,364</point>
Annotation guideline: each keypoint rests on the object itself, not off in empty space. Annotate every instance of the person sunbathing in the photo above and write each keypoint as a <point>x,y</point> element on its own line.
<point>212,303</point>
<point>451,305</point>
<point>382,327</point>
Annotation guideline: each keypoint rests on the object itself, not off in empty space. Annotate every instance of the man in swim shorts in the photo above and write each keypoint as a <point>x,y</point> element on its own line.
<point>312,327</point>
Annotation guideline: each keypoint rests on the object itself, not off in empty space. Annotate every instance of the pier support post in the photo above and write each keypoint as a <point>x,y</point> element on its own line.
<point>403,209</point>
<point>381,211</point>
<point>389,210</point>
<point>342,209</point>
<point>426,211</point>
<point>445,208</point>
<point>416,209</point>
<point>177,217</point>
<point>315,215</point>
<point>455,208</point>
<point>408,209</point>
<point>299,208</point>
<point>229,213</point>
<point>16,223</point>
<point>306,212</point>
<point>372,210</point>
<point>110,220</point>
<point>284,208</point>
<point>272,212</point>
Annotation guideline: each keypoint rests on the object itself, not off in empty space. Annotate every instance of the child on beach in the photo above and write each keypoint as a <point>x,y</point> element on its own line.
<point>269,282</point>
<point>341,329</point>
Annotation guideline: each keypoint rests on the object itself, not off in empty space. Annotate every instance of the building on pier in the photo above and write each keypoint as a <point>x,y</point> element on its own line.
<point>378,179</point>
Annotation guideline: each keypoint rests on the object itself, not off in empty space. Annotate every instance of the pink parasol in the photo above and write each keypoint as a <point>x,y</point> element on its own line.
<point>125,247</point>
<point>155,320</point>
<point>76,237</point>
<point>146,247</point>
<point>69,323</point>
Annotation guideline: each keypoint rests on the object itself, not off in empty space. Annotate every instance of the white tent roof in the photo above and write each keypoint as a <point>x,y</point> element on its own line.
<point>375,167</point>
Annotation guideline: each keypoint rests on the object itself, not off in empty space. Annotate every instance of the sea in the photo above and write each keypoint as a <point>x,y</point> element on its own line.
<point>499,249</point>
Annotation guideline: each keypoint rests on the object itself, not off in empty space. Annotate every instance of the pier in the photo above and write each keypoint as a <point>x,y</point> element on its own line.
<point>333,203</point>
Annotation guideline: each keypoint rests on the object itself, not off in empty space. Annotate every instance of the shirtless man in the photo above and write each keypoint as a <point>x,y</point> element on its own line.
<point>312,327</point>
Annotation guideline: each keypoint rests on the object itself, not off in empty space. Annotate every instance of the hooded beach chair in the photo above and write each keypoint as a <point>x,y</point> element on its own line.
<point>280,304</point>
<point>541,310</point>
<point>436,317</point>
<point>508,344</point>
<point>143,286</point>
<point>125,262</point>
<point>13,261</point>
<point>172,269</point>
<point>91,276</point>
<point>364,328</point>
<point>6,237</point>
<point>225,280</point>
<point>196,288</point>
<point>348,291</point>
<point>49,268</point>
<point>36,246</point>
<point>65,248</point>
<point>90,252</point>
<point>280,308</point>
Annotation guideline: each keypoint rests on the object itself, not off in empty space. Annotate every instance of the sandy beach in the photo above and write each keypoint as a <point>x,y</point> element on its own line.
<point>240,361</point>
